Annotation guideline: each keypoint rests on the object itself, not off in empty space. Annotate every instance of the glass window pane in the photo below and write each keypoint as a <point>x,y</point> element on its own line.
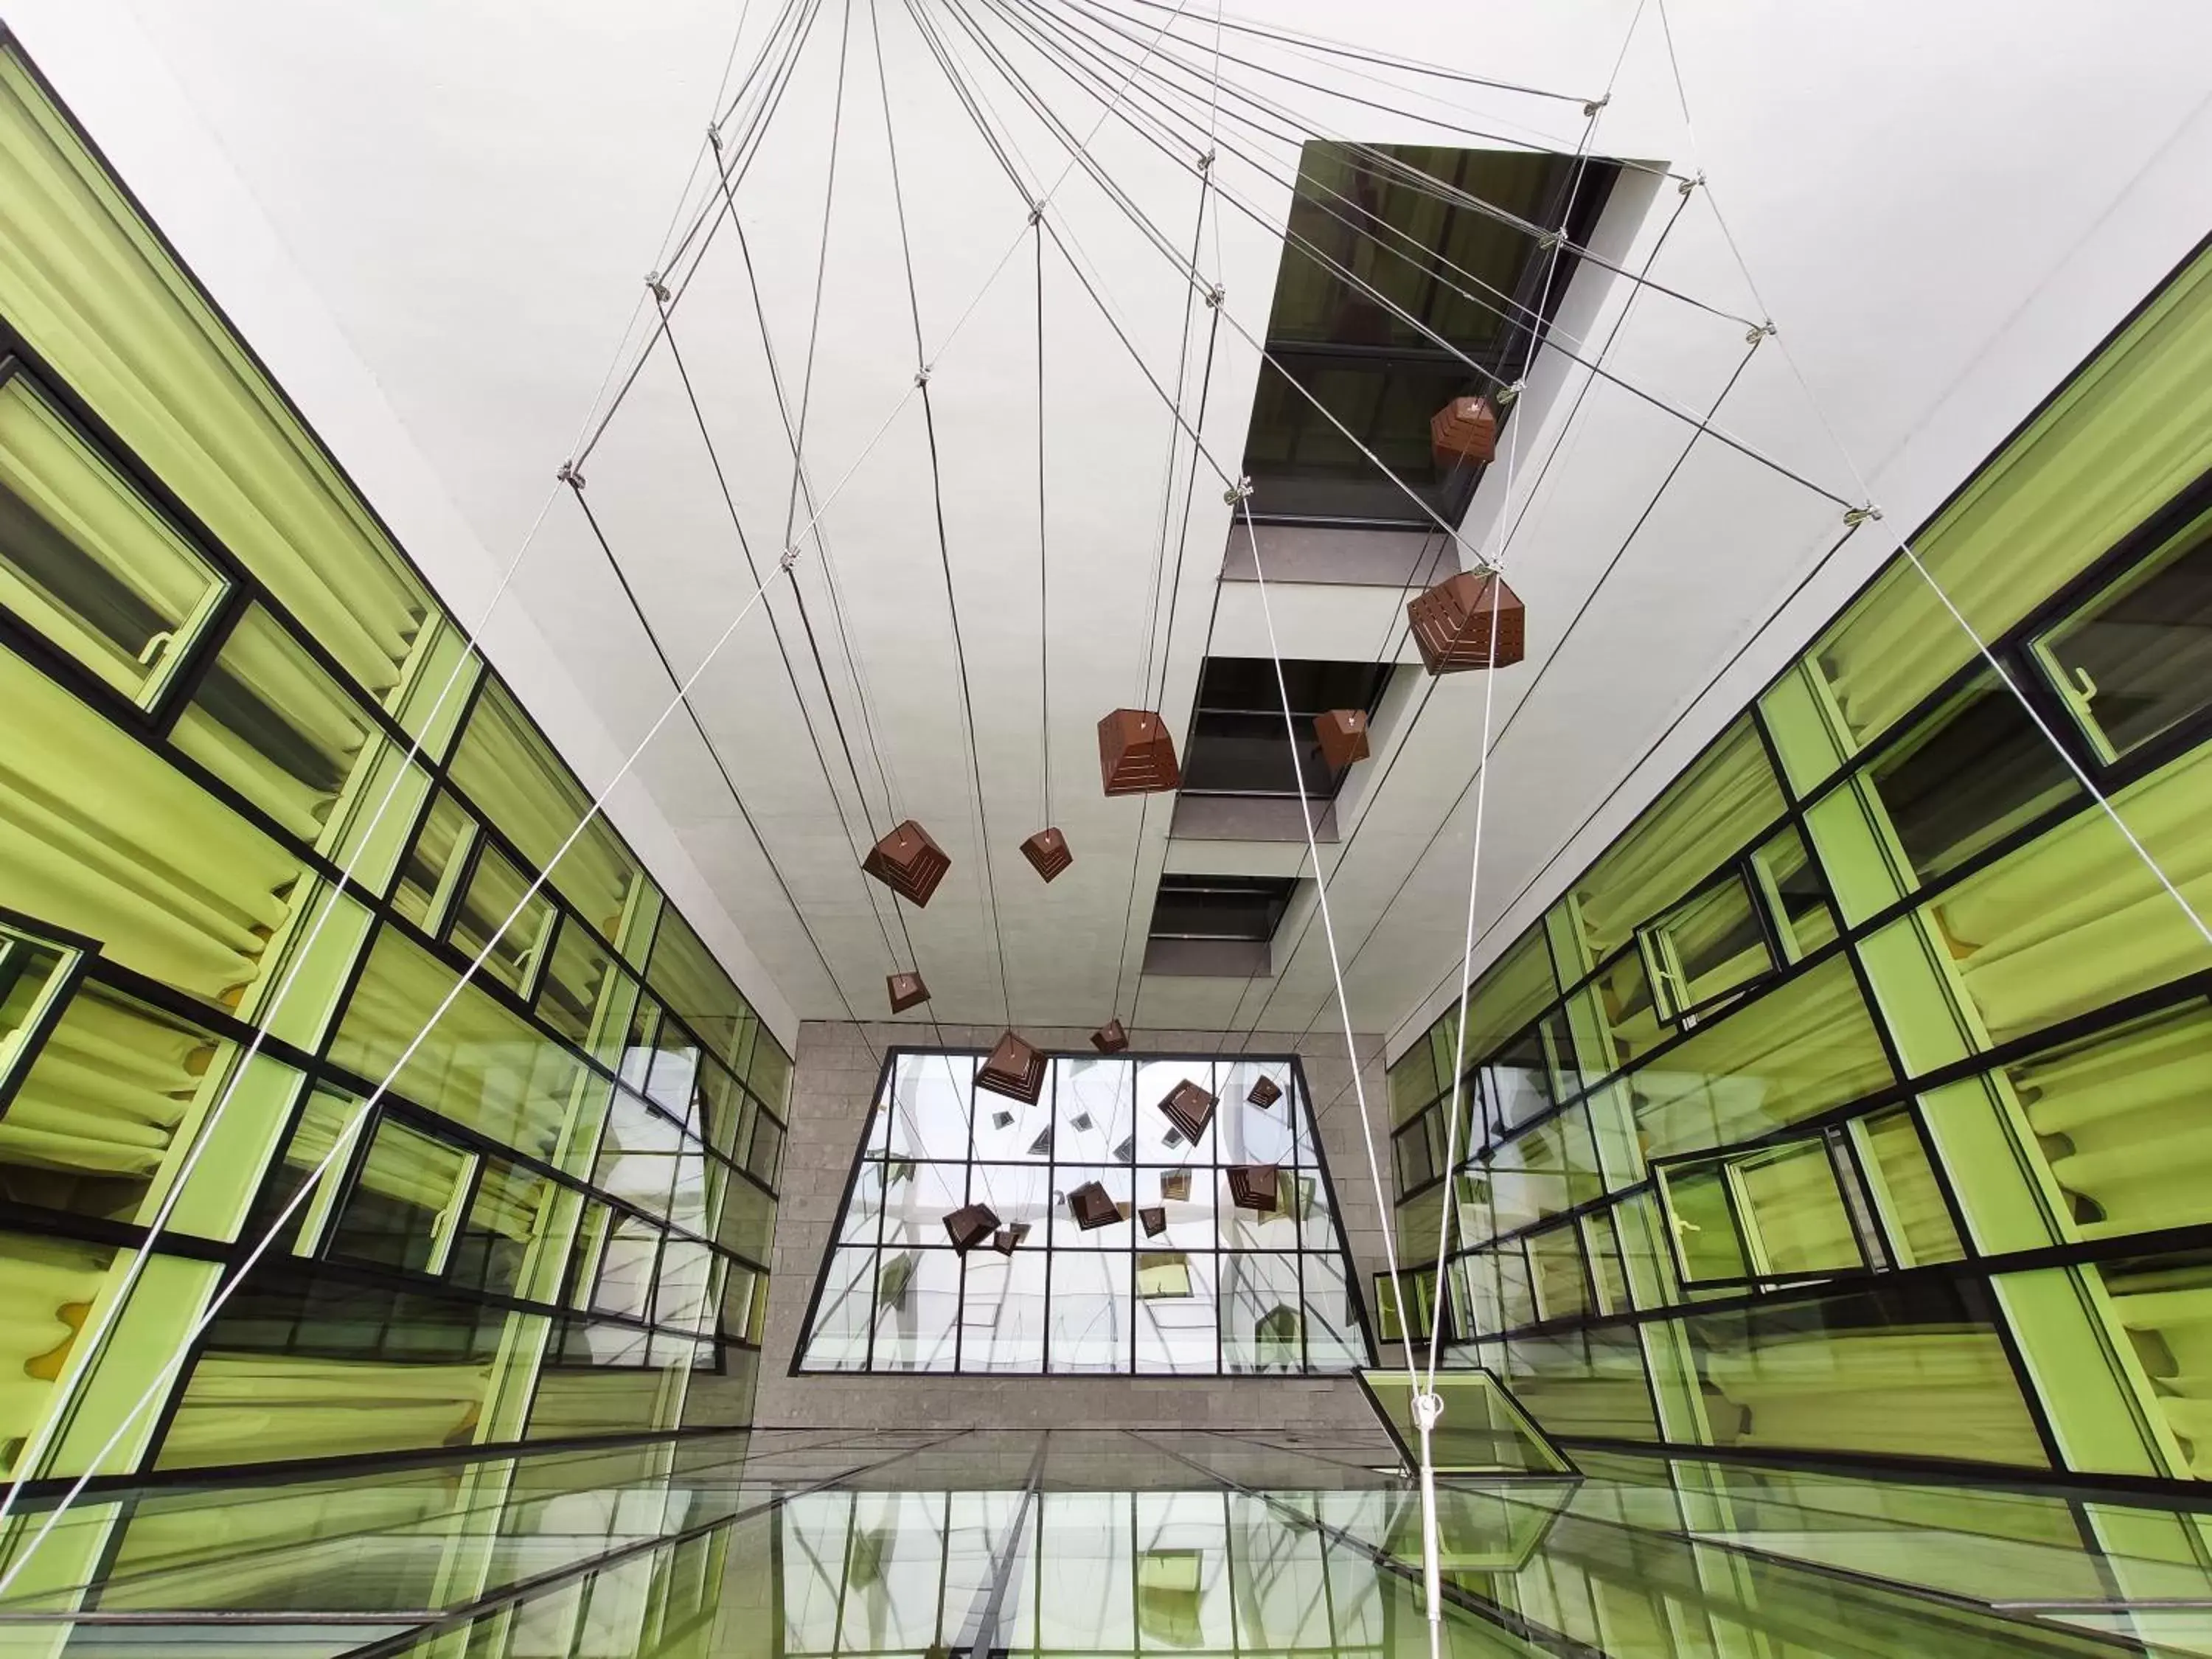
<point>1707,947</point>
<point>1089,1312</point>
<point>1174,1308</point>
<point>1796,897</point>
<point>494,905</point>
<point>86,559</point>
<point>1555,1270</point>
<point>1904,1190</point>
<point>1003,1318</point>
<point>568,1000</point>
<point>405,1206</point>
<point>1263,1314</point>
<point>2137,661</point>
<point>424,889</point>
<point>1706,1239</point>
<point>504,1222</point>
<point>837,1340</point>
<point>1795,1209</point>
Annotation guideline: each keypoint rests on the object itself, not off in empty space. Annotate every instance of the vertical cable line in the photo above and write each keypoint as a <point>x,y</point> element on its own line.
<point>1044,563</point>
<point>37,1447</point>
<point>1905,544</point>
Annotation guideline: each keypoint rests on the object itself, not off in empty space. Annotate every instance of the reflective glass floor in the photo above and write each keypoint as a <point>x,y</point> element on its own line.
<point>1094,1543</point>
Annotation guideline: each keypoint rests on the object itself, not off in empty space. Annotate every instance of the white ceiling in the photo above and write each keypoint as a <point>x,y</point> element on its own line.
<point>433,219</point>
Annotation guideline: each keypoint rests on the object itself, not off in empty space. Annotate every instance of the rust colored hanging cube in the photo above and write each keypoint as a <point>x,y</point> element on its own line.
<point>1006,1238</point>
<point>1155,1218</point>
<point>906,990</point>
<point>1252,1186</point>
<point>1047,851</point>
<point>1265,1093</point>
<point>1110,1038</point>
<point>1189,1107</point>
<point>1453,624</point>
<point>970,1225</point>
<point>1136,756</point>
<point>1343,734</point>
<point>1464,431</point>
<point>1091,1207</point>
<point>1013,1068</point>
<point>908,862</point>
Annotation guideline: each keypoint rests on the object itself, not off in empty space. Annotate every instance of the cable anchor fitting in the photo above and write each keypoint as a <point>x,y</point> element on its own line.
<point>1591,109</point>
<point>715,136</point>
<point>658,288</point>
<point>1757,332</point>
<point>922,376</point>
<point>1690,184</point>
<point>1036,214</point>
<point>790,558</point>
<point>1238,492</point>
<point>1506,396</point>
<point>1205,162</point>
<point>1428,1411</point>
<point>1856,516</point>
<point>571,474</point>
<point>1216,297</point>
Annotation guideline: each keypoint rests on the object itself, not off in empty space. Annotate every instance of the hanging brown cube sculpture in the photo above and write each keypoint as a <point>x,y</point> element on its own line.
<point>906,990</point>
<point>908,862</point>
<point>1343,734</point>
<point>1047,851</point>
<point>1110,1038</point>
<point>1189,1107</point>
<point>1136,756</point>
<point>1006,1238</point>
<point>1252,1186</point>
<point>1013,1068</point>
<point>1091,1207</point>
<point>1265,1093</point>
<point>1453,624</point>
<point>970,1225</point>
<point>1463,432</point>
<point>1175,1184</point>
<point>1155,1218</point>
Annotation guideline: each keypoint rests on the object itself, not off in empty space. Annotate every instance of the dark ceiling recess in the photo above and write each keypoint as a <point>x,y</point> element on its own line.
<point>1374,242</point>
<point>1244,908</point>
<point>1238,743</point>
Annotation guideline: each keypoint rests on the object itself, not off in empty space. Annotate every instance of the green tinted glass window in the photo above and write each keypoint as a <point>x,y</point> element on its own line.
<point>404,1209</point>
<point>433,864</point>
<point>87,560</point>
<point>1706,948</point>
<point>495,920</point>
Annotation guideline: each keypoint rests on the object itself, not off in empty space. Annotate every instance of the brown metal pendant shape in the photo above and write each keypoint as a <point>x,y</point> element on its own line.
<point>1046,850</point>
<point>1136,756</point>
<point>1343,734</point>
<point>906,990</point>
<point>970,1225</point>
<point>1014,1068</point>
<point>1006,1238</point>
<point>1265,1093</point>
<point>1091,1207</point>
<point>1111,1038</point>
<point>1155,1218</point>
<point>1189,1107</point>
<point>1453,623</point>
<point>908,862</point>
<point>1252,1186</point>
<point>1464,431</point>
<point>1175,1184</point>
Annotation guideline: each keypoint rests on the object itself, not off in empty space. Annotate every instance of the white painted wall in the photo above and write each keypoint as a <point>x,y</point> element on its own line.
<point>433,220</point>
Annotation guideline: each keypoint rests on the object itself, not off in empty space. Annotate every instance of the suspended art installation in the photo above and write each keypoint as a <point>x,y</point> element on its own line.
<point>908,862</point>
<point>1126,1151</point>
<point>1155,1218</point>
<point>1111,1038</point>
<point>1013,1068</point>
<point>971,1226</point>
<point>1252,1186</point>
<point>1047,852</point>
<point>1343,734</point>
<point>1454,622</point>
<point>1265,1093</point>
<point>1041,1146</point>
<point>1002,1119</point>
<point>1189,1107</point>
<point>1006,1238</point>
<point>1175,1184</point>
<point>1091,1207</point>
<point>906,990</point>
<point>1136,756</point>
<point>1464,431</point>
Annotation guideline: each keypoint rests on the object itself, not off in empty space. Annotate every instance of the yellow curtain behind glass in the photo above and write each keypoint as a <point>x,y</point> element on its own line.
<point>100,836</point>
<point>507,770</point>
<point>92,290</point>
<point>257,1407</point>
<point>46,1286</point>
<point>1709,812</point>
<point>2075,919</point>
<point>110,1085</point>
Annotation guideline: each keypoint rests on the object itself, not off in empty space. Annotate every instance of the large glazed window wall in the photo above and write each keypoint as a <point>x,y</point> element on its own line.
<point>1854,1100</point>
<point>216,663</point>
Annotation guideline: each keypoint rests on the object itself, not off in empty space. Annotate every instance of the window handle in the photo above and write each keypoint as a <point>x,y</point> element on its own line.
<point>2086,686</point>
<point>157,644</point>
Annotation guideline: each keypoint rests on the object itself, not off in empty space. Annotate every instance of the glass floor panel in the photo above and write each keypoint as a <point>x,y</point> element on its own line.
<point>816,1544</point>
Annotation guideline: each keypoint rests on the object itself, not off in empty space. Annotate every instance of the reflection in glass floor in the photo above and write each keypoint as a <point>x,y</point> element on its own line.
<point>821,1545</point>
